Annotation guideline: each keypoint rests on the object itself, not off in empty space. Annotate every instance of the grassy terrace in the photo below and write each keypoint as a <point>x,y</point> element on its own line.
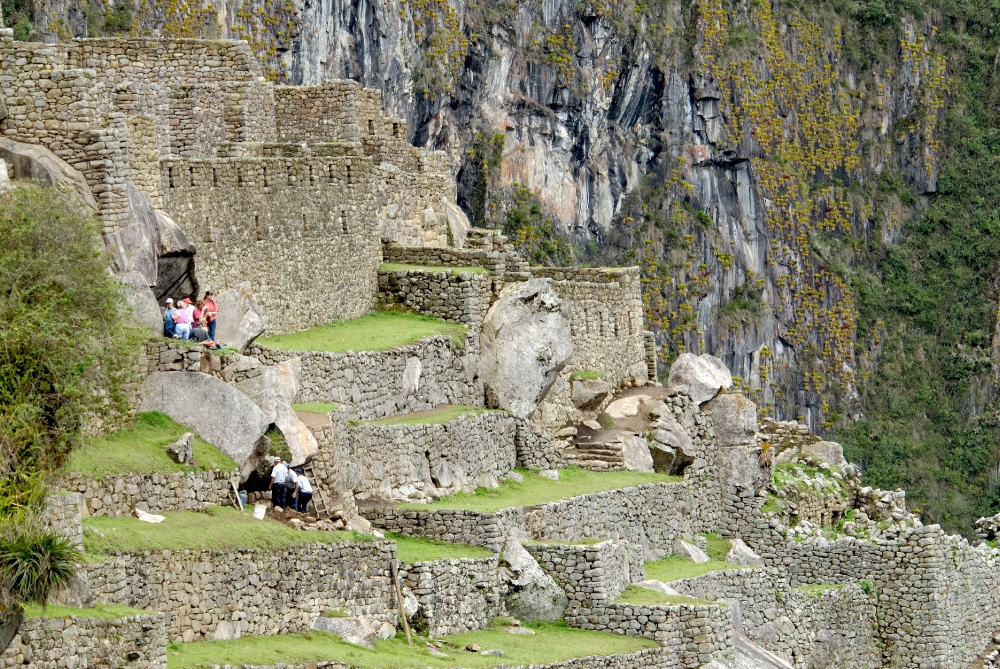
<point>395,267</point>
<point>98,611</point>
<point>536,489</point>
<point>643,597</point>
<point>675,568</point>
<point>226,528</point>
<point>140,449</point>
<point>374,332</point>
<point>552,642</point>
<point>439,416</point>
<point>315,407</point>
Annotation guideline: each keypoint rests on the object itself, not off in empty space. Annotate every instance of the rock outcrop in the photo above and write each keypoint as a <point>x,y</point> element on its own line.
<point>240,319</point>
<point>700,376</point>
<point>274,390</point>
<point>525,342</point>
<point>534,594</point>
<point>738,455</point>
<point>219,413</point>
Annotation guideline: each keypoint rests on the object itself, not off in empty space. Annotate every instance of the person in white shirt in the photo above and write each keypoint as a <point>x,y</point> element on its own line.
<point>303,491</point>
<point>277,485</point>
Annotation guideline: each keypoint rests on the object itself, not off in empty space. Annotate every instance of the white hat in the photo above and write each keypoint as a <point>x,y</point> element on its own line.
<point>170,300</point>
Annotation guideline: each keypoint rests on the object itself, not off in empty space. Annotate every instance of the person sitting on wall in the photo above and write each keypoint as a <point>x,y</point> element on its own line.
<point>291,488</point>
<point>277,485</point>
<point>303,491</point>
<point>169,330</point>
<point>210,311</point>
<point>182,324</point>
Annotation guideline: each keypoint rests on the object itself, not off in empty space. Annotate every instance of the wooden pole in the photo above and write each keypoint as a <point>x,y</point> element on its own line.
<point>399,602</point>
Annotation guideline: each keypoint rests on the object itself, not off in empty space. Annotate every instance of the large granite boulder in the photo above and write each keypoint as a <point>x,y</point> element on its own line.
<point>219,413</point>
<point>175,272</point>
<point>33,162</point>
<point>240,319</point>
<point>274,390</point>
<point>135,247</point>
<point>700,376</point>
<point>589,393</point>
<point>525,343</point>
<point>738,460</point>
<point>533,594</point>
<point>635,453</point>
<point>140,298</point>
<point>742,555</point>
<point>356,630</point>
<point>829,452</point>
<point>671,446</point>
<point>458,223</point>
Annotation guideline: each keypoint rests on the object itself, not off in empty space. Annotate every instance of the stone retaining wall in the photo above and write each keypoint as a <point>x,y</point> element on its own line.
<point>455,596</point>
<point>696,633</point>
<point>62,514</point>
<point>425,461</point>
<point>591,575</point>
<point>635,514</point>
<point>250,592</point>
<point>138,641</point>
<point>377,384</point>
<point>461,298</point>
<point>120,494</point>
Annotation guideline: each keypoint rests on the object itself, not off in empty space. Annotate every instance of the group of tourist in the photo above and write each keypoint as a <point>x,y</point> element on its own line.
<point>192,321</point>
<point>290,489</point>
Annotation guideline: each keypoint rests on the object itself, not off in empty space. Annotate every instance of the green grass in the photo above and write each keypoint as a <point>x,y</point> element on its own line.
<point>278,446</point>
<point>817,589</point>
<point>374,332</point>
<point>551,643</point>
<point>718,548</point>
<point>315,407</point>
<point>416,549</point>
<point>643,597</point>
<point>220,528</point>
<point>536,489</point>
<point>587,374</point>
<point>439,416</point>
<point>98,611</point>
<point>393,267</point>
<point>675,568</point>
<point>140,449</point>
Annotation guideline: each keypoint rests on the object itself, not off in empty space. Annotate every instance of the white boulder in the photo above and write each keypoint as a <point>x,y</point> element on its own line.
<point>689,551</point>
<point>525,342</point>
<point>240,319</point>
<point>356,630</point>
<point>700,376</point>
<point>742,555</point>
<point>274,390</point>
<point>635,453</point>
<point>534,595</point>
<point>829,452</point>
<point>141,300</point>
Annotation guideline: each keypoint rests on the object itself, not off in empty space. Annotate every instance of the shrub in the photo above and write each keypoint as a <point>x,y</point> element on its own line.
<point>34,563</point>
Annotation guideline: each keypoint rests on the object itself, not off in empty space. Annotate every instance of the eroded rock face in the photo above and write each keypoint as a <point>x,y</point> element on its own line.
<point>829,452</point>
<point>140,298</point>
<point>218,412</point>
<point>525,342</point>
<point>534,595</point>
<point>690,552</point>
<point>742,555</point>
<point>700,376</point>
<point>240,319</point>
<point>136,246</point>
<point>671,447</point>
<point>635,454</point>
<point>358,630</point>
<point>589,393</point>
<point>738,460</point>
<point>33,162</point>
<point>274,390</point>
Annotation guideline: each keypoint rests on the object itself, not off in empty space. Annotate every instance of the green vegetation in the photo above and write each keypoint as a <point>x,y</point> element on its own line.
<point>141,449</point>
<point>220,528</point>
<point>315,407</point>
<point>36,562</point>
<point>536,489</point>
<point>532,232</point>
<point>439,416</point>
<point>587,374</point>
<point>552,642</point>
<point>643,597</point>
<point>416,549</point>
<point>278,446</point>
<point>393,267</point>
<point>675,568</point>
<point>817,589</point>
<point>97,611</point>
<point>374,332</point>
<point>718,548</point>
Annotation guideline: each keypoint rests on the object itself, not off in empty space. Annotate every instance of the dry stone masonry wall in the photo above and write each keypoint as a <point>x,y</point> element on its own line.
<point>120,494</point>
<point>138,641</point>
<point>248,592</point>
<point>461,298</point>
<point>591,574</point>
<point>455,596</point>
<point>62,513</point>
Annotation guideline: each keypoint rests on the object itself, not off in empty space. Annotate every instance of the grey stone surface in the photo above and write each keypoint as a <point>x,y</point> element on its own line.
<point>356,630</point>
<point>135,246</point>
<point>689,551</point>
<point>670,445</point>
<point>273,389</point>
<point>635,453</point>
<point>119,495</point>
<point>589,393</point>
<point>828,451</point>
<point>533,595</point>
<point>742,555</point>
<point>657,586</point>
<point>525,342</point>
<point>182,450</point>
<point>240,320</point>
<point>738,462</point>
<point>700,376</point>
<point>32,162</point>
<point>140,298</point>
<point>220,414</point>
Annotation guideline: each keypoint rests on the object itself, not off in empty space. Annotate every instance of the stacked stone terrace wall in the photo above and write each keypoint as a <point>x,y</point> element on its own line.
<point>487,530</point>
<point>299,229</point>
<point>334,111</point>
<point>455,596</point>
<point>120,494</point>
<point>373,384</point>
<point>409,461</point>
<point>696,634</point>
<point>591,575</point>
<point>250,592</point>
<point>461,298</point>
<point>138,641</point>
<point>448,257</point>
<point>654,658</point>
<point>62,514</point>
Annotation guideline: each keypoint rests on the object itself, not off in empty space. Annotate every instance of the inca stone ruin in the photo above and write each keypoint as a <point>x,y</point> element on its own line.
<point>287,202</point>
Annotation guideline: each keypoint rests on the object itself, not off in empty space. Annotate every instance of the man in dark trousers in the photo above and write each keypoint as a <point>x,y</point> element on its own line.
<point>277,486</point>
